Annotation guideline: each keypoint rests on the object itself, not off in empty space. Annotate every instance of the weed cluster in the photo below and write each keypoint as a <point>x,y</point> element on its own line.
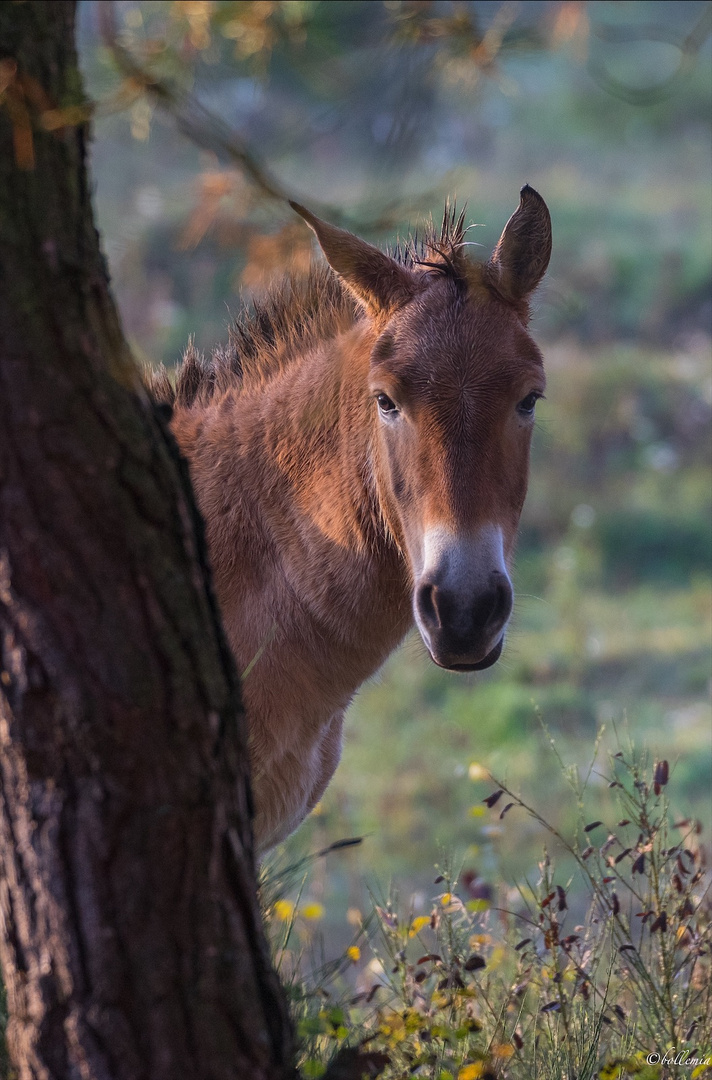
<point>602,973</point>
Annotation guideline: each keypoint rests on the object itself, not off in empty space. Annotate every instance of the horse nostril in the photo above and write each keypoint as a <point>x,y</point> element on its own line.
<point>426,601</point>
<point>501,600</point>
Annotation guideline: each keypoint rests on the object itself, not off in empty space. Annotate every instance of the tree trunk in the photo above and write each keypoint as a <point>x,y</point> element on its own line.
<point>130,937</point>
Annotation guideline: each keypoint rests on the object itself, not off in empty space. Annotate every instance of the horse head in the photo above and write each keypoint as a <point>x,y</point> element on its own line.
<point>453,381</point>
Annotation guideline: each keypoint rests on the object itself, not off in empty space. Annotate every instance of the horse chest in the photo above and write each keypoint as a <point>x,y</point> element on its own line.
<point>290,785</point>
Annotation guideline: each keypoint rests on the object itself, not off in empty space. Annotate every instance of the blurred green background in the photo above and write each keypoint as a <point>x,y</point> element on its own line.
<point>372,113</point>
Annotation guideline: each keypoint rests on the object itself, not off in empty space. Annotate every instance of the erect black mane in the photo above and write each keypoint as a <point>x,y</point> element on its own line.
<point>297,312</point>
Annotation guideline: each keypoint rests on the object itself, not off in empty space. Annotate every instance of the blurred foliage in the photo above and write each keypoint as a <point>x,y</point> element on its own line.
<point>371,113</point>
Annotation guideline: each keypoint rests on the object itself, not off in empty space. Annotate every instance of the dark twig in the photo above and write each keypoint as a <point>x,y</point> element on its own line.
<point>190,117</point>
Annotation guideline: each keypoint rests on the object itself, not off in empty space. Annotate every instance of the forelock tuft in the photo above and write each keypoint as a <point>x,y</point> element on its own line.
<point>441,251</point>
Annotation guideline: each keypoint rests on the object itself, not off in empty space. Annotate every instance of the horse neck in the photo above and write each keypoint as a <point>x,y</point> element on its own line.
<point>314,460</point>
<point>284,474</point>
<point>318,420</point>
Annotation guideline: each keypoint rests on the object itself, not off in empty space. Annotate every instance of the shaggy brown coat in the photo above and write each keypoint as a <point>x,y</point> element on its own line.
<point>359,452</point>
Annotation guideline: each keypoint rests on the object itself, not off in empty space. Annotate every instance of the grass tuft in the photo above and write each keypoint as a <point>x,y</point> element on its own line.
<point>600,968</point>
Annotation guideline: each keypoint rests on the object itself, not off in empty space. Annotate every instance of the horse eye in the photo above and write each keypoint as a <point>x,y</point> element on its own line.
<point>526,405</point>
<point>385,404</point>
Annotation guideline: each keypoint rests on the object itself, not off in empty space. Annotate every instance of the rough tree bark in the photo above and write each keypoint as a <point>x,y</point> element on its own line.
<point>130,937</point>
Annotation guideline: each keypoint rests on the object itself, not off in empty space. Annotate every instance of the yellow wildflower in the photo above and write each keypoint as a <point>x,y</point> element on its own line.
<point>471,1072</point>
<point>283,910</point>
<point>417,925</point>
<point>315,910</point>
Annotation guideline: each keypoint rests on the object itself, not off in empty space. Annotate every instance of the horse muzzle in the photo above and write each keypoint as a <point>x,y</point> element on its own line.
<point>464,633</point>
<point>491,658</point>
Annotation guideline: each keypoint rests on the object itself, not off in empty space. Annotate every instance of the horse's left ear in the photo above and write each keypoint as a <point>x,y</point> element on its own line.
<point>376,279</point>
<point>521,257</point>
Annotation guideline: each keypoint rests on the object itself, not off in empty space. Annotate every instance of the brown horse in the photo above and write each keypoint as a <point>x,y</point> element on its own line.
<point>360,455</point>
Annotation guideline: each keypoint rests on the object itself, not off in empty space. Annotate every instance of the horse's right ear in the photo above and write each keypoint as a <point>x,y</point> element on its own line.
<point>376,279</point>
<point>521,257</point>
